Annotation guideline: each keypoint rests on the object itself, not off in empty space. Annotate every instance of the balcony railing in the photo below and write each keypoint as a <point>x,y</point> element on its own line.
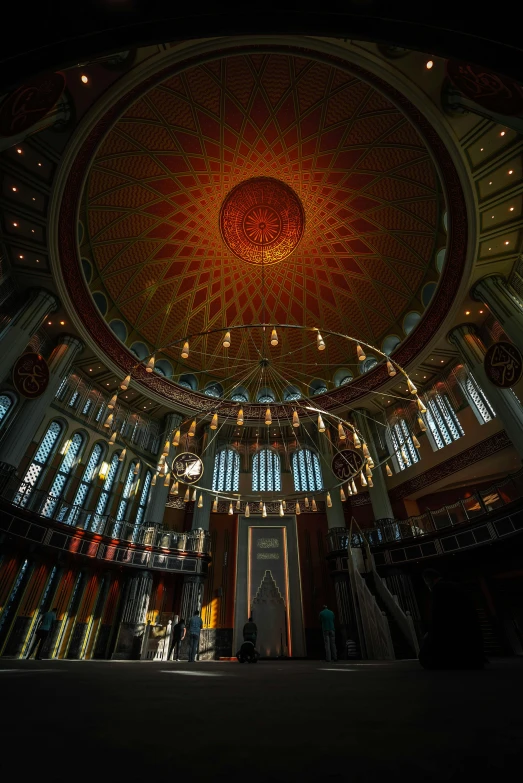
<point>50,507</point>
<point>478,504</point>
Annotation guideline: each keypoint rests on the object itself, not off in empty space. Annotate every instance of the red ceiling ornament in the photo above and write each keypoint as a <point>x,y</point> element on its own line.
<point>262,220</point>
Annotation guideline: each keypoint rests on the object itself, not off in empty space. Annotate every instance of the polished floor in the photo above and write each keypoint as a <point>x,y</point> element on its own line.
<point>274,721</point>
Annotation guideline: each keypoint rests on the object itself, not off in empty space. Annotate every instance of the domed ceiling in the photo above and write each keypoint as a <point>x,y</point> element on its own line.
<point>355,259</point>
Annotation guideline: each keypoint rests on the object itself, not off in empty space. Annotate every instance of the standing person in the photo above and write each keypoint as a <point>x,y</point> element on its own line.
<point>195,626</point>
<point>42,632</point>
<point>250,631</point>
<point>329,638</point>
<point>454,640</point>
<point>179,633</point>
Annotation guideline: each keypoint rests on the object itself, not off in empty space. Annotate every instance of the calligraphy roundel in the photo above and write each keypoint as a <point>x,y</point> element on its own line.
<point>24,107</point>
<point>489,90</point>
<point>347,463</point>
<point>503,364</point>
<point>31,375</point>
<point>187,467</point>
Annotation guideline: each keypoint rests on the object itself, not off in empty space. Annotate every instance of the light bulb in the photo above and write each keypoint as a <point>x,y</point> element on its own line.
<point>238,505</point>
<point>230,511</point>
<point>353,487</point>
<point>239,420</point>
<point>343,497</point>
<point>306,502</point>
<point>227,340</point>
<point>416,442</point>
<point>388,470</point>
<point>214,422</point>
<point>187,495</point>
<point>370,462</point>
<point>370,482</point>
<point>295,419</point>
<point>366,452</point>
<point>136,469</point>
<point>200,501</point>
<point>109,420</point>
<point>421,424</point>
<point>390,369</point>
<point>298,509</point>
<point>361,353</point>
<point>411,386</point>
<point>149,367</point>
<point>341,432</point>
<point>194,493</point>
<point>165,451</point>
<point>247,510</point>
<point>260,507</point>
<point>363,479</point>
<point>268,417</point>
<point>175,488</point>
<point>421,407</point>
<point>282,512</point>
<point>112,439</point>
<point>274,338</point>
<point>176,439</point>
<point>284,504</point>
<point>112,401</point>
<point>215,505</point>
<point>125,383</point>
<point>185,350</point>
<point>313,505</point>
<point>320,343</point>
<point>321,423</point>
<point>368,472</point>
<point>349,490</point>
<point>264,511</point>
<point>192,429</point>
<point>356,440</point>
<point>167,479</point>
<point>122,455</point>
<point>153,481</point>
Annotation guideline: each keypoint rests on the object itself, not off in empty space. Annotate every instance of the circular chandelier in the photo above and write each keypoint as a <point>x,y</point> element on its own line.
<point>352,463</point>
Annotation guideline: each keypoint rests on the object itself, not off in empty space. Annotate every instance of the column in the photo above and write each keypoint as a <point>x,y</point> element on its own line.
<point>17,333</point>
<point>30,413</point>
<point>159,494</point>
<point>472,350</point>
<point>132,631</point>
<point>504,303</point>
<point>336,514</point>
<point>201,516</point>
<point>379,495</point>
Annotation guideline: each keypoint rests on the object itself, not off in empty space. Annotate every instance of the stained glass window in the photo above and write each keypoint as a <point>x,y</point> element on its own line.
<point>105,494</point>
<point>306,471</point>
<point>266,476</point>
<point>443,423</point>
<point>226,476</point>
<point>144,497</point>
<point>480,402</point>
<point>402,440</point>
<point>126,493</point>
<point>322,389</point>
<point>368,364</point>
<point>291,393</point>
<point>240,397</point>
<point>40,460</point>
<point>69,514</point>
<point>6,403</point>
<point>68,461</point>
<point>213,390</point>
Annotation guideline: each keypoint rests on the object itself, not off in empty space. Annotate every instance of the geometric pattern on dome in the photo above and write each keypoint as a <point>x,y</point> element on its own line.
<point>262,220</point>
<point>363,175</point>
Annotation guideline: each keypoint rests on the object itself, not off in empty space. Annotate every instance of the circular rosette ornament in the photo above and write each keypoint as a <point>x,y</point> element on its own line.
<point>187,467</point>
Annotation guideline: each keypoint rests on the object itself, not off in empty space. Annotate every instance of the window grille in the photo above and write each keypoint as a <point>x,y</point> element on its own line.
<point>105,494</point>
<point>443,423</point>
<point>87,407</point>
<point>74,399</point>
<point>61,389</point>
<point>368,364</point>
<point>68,461</point>
<point>40,460</point>
<point>226,476</point>
<point>144,497</point>
<point>6,404</point>
<point>67,513</point>
<point>239,397</point>
<point>319,390</point>
<point>291,394</point>
<point>185,384</point>
<point>477,396</point>
<point>100,411</point>
<point>212,391</point>
<point>124,502</point>
<point>266,476</point>
<point>401,439</point>
<point>306,471</point>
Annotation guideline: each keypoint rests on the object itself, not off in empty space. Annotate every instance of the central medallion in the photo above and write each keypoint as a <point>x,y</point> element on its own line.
<point>262,220</point>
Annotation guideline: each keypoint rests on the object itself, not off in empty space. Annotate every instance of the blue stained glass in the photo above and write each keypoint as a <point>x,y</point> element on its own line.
<point>105,494</point>
<point>66,465</point>
<point>40,460</point>
<point>226,476</point>
<point>5,404</point>
<point>144,497</point>
<point>266,475</point>
<point>83,489</point>
<point>306,471</point>
<point>122,506</point>
<point>401,439</point>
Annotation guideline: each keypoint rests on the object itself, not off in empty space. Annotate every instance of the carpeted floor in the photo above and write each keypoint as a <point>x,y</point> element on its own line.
<point>274,721</point>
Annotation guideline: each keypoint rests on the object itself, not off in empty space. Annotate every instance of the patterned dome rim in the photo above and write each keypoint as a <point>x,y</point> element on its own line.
<point>75,291</point>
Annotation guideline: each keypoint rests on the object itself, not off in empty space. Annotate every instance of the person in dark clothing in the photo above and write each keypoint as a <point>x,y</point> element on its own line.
<point>454,639</point>
<point>42,633</point>
<point>178,635</point>
<point>250,631</point>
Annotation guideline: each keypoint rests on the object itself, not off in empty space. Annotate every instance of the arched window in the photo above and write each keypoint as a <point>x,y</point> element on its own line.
<point>6,406</point>
<point>239,397</point>
<point>266,396</point>
<point>306,471</point>
<point>443,423</point>
<point>482,407</point>
<point>403,445</point>
<point>266,476</point>
<point>213,389</point>
<point>69,514</point>
<point>40,460</point>
<point>73,402</point>
<point>87,407</point>
<point>69,460</point>
<point>105,494</point>
<point>368,364</point>
<point>291,393</point>
<point>226,476</point>
<point>126,493</point>
<point>144,497</point>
